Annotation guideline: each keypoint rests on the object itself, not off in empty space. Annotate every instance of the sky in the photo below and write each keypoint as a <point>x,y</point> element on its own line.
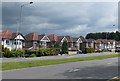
<point>61,18</point>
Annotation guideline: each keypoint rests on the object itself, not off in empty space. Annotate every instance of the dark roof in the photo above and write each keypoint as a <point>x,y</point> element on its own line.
<point>90,40</point>
<point>83,39</point>
<point>75,39</point>
<point>40,36</point>
<point>60,38</point>
<point>53,37</point>
<point>31,36</point>
<point>69,38</point>
<point>111,41</point>
<point>16,34</point>
<point>98,41</point>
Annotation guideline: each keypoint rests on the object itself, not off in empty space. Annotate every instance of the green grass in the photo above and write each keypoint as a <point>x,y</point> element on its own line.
<point>26,64</point>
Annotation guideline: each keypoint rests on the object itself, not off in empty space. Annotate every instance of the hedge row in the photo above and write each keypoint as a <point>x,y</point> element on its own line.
<point>31,53</point>
<point>90,50</point>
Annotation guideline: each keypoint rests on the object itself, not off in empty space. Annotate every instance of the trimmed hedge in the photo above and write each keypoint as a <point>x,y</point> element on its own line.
<point>48,51</point>
<point>90,50</point>
<point>31,53</point>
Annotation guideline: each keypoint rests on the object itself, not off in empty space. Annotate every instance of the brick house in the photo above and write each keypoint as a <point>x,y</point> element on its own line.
<point>35,41</point>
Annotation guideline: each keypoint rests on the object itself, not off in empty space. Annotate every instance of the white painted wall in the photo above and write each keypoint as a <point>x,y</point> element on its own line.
<point>11,45</point>
<point>19,37</point>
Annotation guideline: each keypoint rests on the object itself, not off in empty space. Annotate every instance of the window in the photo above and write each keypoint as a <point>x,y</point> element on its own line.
<point>19,43</point>
<point>16,43</point>
<point>7,42</point>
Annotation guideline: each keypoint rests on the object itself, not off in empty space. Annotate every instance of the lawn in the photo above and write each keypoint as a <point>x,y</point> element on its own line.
<point>27,64</point>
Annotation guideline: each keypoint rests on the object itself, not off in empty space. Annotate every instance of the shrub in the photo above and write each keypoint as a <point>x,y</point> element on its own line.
<point>48,51</point>
<point>20,53</point>
<point>41,52</point>
<point>57,51</point>
<point>32,55</point>
<point>13,53</point>
<point>89,50</point>
<point>105,50</point>
<point>6,52</point>
<point>64,47</point>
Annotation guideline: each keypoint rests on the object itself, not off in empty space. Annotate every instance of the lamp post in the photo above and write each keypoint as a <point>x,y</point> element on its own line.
<point>107,35</point>
<point>19,27</point>
<point>21,12</point>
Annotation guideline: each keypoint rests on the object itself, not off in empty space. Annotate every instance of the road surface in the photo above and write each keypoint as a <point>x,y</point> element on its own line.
<point>92,69</point>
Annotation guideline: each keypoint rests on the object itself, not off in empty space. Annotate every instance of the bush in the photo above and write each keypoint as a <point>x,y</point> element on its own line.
<point>48,51</point>
<point>90,50</point>
<point>17,53</point>
<point>41,52</point>
<point>64,47</point>
<point>32,55</point>
<point>6,52</point>
<point>13,53</point>
<point>105,50</point>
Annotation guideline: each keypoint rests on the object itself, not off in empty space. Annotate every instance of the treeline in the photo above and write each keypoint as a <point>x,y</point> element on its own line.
<point>104,35</point>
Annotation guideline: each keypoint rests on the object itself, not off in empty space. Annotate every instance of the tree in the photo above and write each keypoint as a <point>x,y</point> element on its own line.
<point>64,47</point>
<point>56,45</point>
<point>81,36</point>
<point>104,35</point>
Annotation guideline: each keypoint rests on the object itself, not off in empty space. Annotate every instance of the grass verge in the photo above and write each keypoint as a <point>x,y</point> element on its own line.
<point>26,64</point>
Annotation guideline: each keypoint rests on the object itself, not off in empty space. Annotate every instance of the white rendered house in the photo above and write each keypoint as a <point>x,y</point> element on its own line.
<point>12,40</point>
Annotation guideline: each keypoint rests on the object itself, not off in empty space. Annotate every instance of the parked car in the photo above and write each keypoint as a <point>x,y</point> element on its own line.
<point>117,49</point>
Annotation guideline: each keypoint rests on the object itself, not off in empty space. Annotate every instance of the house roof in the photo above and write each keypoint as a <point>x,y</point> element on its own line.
<point>83,39</point>
<point>6,34</point>
<point>40,36</point>
<point>111,41</point>
<point>75,39</point>
<point>69,38</point>
<point>31,36</point>
<point>97,41</point>
<point>90,40</point>
<point>53,37</point>
<point>104,41</point>
<point>16,34</point>
<point>60,38</point>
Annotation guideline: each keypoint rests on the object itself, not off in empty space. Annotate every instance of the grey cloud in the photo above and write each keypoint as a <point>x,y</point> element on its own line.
<point>56,17</point>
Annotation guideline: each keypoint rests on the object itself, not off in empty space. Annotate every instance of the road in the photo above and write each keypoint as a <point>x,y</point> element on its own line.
<point>53,57</point>
<point>92,69</point>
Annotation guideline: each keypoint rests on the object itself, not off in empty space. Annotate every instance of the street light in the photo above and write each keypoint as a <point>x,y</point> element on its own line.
<point>20,19</point>
<point>107,34</point>
<point>21,12</point>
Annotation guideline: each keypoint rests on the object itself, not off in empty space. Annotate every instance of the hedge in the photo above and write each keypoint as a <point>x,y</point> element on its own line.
<point>90,50</point>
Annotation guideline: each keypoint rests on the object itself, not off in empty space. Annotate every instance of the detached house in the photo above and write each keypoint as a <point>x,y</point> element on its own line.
<point>117,44</point>
<point>98,45</point>
<point>12,40</point>
<point>74,43</point>
<point>35,41</point>
<point>101,44</point>
<point>84,44</point>
<point>90,43</point>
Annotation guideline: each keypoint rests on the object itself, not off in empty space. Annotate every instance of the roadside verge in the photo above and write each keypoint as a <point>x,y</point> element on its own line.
<point>27,64</point>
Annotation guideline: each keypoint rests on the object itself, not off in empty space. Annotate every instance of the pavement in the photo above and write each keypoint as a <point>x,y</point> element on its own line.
<point>2,60</point>
<point>92,69</point>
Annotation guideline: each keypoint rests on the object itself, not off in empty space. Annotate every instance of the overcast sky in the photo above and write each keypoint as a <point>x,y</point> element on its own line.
<point>61,18</point>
